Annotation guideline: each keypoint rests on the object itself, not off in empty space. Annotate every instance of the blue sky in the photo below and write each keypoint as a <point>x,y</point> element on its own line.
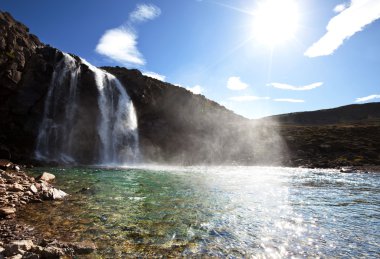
<point>308,55</point>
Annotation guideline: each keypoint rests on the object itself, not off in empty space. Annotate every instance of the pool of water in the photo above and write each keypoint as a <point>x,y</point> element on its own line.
<point>233,212</point>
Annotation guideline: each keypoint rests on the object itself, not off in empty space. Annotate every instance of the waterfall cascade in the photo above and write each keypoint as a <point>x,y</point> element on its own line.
<point>87,122</point>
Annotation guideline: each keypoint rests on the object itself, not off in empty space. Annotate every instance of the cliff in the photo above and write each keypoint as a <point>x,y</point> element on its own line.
<point>174,125</point>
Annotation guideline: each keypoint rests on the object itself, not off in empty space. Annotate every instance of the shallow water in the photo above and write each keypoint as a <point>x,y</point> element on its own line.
<point>260,212</point>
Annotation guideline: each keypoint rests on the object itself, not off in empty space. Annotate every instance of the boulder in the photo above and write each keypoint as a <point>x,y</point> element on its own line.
<point>45,176</point>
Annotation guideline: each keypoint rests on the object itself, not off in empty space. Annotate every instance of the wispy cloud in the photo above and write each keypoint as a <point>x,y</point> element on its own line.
<point>247,98</point>
<point>154,75</point>
<point>296,88</point>
<point>234,83</point>
<point>289,100</point>
<point>344,25</point>
<point>197,89</point>
<point>144,12</point>
<point>367,98</point>
<point>120,44</point>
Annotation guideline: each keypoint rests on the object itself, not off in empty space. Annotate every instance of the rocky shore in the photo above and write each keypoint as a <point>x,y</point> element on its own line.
<point>17,189</point>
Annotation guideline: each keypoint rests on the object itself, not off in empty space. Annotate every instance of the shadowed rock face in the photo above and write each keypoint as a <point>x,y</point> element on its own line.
<point>177,126</point>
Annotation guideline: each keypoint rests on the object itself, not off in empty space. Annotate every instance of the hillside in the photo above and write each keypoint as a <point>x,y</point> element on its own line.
<point>343,136</point>
<point>343,114</point>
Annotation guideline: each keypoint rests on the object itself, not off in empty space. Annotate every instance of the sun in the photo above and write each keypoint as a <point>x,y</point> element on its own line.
<point>275,21</point>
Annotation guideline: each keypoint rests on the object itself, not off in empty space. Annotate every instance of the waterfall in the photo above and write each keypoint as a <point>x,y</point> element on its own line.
<point>87,122</point>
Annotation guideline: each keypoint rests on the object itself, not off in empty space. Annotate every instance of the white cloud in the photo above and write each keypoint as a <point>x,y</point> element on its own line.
<point>367,98</point>
<point>341,7</point>
<point>289,100</point>
<point>197,89</point>
<point>154,75</point>
<point>144,12</point>
<point>234,83</point>
<point>344,25</point>
<point>247,98</point>
<point>120,45</point>
<point>296,88</point>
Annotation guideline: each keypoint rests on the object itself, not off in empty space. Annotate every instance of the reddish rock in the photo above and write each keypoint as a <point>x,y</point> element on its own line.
<point>5,211</point>
<point>16,188</point>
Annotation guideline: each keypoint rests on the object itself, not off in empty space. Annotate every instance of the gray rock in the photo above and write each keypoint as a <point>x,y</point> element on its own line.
<point>54,194</point>
<point>48,177</point>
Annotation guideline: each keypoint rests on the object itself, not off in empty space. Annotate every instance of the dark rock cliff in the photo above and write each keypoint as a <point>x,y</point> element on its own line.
<point>175,126</point>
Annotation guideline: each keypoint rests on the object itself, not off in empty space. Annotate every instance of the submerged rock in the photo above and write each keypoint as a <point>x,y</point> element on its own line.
<point>84,247</point>
<point>18,189</point>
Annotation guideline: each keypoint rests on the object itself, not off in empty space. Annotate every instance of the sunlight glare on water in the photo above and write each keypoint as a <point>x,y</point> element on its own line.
<point>261,212</point>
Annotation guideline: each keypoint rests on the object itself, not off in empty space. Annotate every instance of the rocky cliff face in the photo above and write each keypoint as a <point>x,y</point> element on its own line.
<point>175,126</point>
<point>18,61</point>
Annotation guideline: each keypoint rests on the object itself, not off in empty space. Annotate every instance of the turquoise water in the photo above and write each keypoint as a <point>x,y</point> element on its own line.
<point>229,212</point>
